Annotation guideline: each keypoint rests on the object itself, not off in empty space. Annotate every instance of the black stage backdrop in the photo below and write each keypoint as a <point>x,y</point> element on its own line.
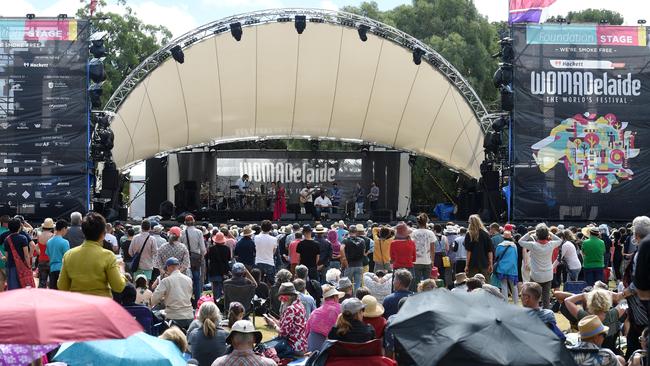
<point>581,133</point>
<point>43,117</point>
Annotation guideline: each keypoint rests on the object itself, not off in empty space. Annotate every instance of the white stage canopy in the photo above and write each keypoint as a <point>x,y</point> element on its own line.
<point>325,83</point>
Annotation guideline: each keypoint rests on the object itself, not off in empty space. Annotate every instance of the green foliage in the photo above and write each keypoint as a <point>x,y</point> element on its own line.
<point>431,182</point>
<point>591,16</point>
<point>128,43</point>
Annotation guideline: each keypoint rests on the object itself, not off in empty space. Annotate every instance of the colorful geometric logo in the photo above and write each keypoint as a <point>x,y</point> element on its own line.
<point>595,151</point>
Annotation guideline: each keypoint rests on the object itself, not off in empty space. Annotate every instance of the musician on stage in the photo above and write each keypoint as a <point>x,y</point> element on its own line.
<point>322,204</point>
<point>306,199</point>
<point>359,198</point>
<point>336,197</point>
<point>280,206</point>
<point>373,196</point>
<point>243,185</point>
<point>271,195</point>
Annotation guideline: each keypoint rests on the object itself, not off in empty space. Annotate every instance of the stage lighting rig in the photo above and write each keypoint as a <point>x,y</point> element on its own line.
<point>178,54</point>
<point>95,92</point>
<point>363,32</point>
<point>236,31</point>
<point>417,55</point>
<point>102,139</point>
<point>503,75</point>
<point>30,16</point>
<point>507,98</point>
<point>96,70</point>
<point>499,124</point>
<point>300,23</point>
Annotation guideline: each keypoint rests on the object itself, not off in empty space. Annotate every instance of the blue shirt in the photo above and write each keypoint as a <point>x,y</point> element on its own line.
<point>391,301</point>
<point>496,240</point>
<point>20,240</point>
<point>336,195</point>
<point>245,251</point>
<point>56,248</point>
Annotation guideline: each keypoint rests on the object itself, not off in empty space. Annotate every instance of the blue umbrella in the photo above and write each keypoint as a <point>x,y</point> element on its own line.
<point>139,349</point>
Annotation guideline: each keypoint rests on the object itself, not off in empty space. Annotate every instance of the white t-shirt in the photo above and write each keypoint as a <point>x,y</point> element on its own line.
<point>306,195</point>
<point>423,239</point>
<point>265,245</point>
<point>570,255</point>
<point>322,202</point>
<point>111,239</point>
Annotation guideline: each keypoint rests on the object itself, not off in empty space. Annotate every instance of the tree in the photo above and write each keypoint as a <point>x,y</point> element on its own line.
<point>591,16</point>
<point>129,42</point>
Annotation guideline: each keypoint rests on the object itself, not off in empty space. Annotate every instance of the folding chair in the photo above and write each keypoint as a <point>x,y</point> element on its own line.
<point>242,294</point>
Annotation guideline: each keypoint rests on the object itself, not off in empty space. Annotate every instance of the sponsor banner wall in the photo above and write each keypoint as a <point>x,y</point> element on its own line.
<point>581,132</point>
<point>43,116</point>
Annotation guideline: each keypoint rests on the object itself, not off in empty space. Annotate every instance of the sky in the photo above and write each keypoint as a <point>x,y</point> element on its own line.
<point>181,16</point>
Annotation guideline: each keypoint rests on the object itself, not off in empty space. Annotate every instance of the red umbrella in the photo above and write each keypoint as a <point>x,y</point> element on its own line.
<point>40,316</point>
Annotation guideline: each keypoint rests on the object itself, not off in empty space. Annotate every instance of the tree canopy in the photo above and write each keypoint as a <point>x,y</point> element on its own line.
<point>591,16</point>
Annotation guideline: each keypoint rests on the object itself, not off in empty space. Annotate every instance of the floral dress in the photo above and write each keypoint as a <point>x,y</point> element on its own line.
<point>292,326</point>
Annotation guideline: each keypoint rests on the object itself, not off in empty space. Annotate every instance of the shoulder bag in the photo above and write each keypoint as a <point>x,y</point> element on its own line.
<point>25,274</point>
<point>135,264</point>
<point>494,279</point>
<point>195,258</point>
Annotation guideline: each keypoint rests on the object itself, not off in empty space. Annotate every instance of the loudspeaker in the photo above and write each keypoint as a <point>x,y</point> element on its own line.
<point>123,213</point>
<point>186,195</point>
<point>336,216</point>
<point>383,215</point>
<point>491,181</point>
<point>288,217</point>
<point>305,217</point>
<point>110,178</point>
<point>363,217</point>
<point>166,210</point>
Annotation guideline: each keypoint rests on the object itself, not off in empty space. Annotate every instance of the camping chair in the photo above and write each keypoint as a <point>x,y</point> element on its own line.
<point>143,315</point>
<point>242,294</point>
<point>358,354</point>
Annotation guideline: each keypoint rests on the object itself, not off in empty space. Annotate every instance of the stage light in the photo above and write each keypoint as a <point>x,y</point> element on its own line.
<point>492,142</point>
<point>561,20</point>
<point>236,31</point>
<point>417,55</point>
<point>500,124</point>
<point>177,54</point>
<point>96,70</point>
<point>300,23</point>
<point>30,16</point>
<point>97,48</point>
<point>640,21</point>
<point>95,92</point>
<point>62,16</point>
<point>363,32</point>
<point>507,98</point>
<point>604,21</point>
<point>503,75</point>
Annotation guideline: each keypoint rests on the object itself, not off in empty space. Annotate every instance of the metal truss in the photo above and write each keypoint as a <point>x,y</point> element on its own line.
<point>314,16</point>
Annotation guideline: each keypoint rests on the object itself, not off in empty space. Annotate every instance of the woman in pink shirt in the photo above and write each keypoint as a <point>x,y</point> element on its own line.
<point>294,257</point>
<point>323,319</point>
<point>333,237</point>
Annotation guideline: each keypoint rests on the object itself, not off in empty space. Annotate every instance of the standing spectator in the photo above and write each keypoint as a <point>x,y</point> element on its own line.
<point>323,319</point>
<point>243,336</point>
<point>506,266</point>
<point>175,291</point>
<point>541,243</point>
<point>265,248</point>
<point>480,251</point>
<point>294,257</point>
<point>193,238</point>
<point>353,249</point>
<point>111,239</point>
<point>4,222</point>
<point>309,252</point>
<point>441,250</point>
<point>617,259</point>
<point>383,237</point>
<point>425,249</point>
<point>75,235</point>
<point>43,260</point>
<point>401,283</point>
<point>461,253</point>
<point>402,250</point>
<point>218,264</point>
<point>333,238</point>
<point>208,342</point>
<point>143,243</point>
<point>89,268</point>
<point>125,243</point>
<point>373,315</point>
<point>341,230</point>
<point>570,256</point>
<point>16,244</point>
<point>593,254</point>
<point>245,248</point>
<point>57,246</point>
<point>350,326</point>
<point>589,352</point>
<point>495,234</point>
<point>325,255</point>
<point>173,248</point>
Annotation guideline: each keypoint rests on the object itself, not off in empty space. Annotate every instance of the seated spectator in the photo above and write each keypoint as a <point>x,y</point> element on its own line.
<point>392,348</point>
<point>350,326</point>
<point>240,276</point>
<point>460,283</point>
<point>208,341</point>
<point>638,357</point>
<point>473,284</point>
<point>143,294</point>
<point>589,351</point>
<point>345,286</point>
<point>243,338</point>
<point>378,283</point>
<point>598,302</point>
<point>262,290</point>
<point>292,322</point>
<point>401,282</point>
<point>323,319</point>
<point>427,285</point>
<point>373,315</point>
<point>332,276</point>
<point>281,277</point>
<point>307,301</point>
<point>176,336</point>
<point>235,313</point>
<point>361,292</point>
<point>175,291</point>
<point>312,285</point>
<point>531,294</point>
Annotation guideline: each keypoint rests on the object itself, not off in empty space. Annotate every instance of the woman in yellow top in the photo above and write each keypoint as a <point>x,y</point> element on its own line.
<point>383,237</point>
<point>89,268</point>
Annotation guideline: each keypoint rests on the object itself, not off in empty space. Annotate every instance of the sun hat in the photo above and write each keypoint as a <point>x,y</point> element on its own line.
<point>329,290</point>
<point>373,309</point>
<point>402,230</point>
<point>287,230</point>
<point>320,229</point>
<point>344,283</point>
<point>172,261</point>
<point>352,306</point>
<point>176,231</point>
<point>360,227</point>
<point>460,278</point>
<point>219,238</point>
<point>247,231</point>
<point>287,288</point>
<point>246,327</point>
<point>591,326</point>
<point>238,268</point>
<point>342,224</point>
<point>158,229</point>
<point>48,223</point>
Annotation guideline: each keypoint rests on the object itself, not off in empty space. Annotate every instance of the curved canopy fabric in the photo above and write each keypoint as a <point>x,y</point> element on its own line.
<point>323,83</point>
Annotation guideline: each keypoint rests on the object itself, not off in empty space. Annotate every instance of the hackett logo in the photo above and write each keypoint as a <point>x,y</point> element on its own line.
<point>583,84</point>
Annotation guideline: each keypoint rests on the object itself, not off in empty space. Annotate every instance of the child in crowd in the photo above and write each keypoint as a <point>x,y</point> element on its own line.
<point>143,294</point>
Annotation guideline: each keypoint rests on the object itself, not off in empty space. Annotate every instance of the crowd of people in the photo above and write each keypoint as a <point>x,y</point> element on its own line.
<point>202,285</point>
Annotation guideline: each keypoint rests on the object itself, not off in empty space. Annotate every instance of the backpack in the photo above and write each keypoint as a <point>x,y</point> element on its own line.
<point>354,248</point>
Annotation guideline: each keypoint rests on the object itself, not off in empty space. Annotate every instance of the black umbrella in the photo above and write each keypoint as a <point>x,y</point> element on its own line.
<point>440,328</point>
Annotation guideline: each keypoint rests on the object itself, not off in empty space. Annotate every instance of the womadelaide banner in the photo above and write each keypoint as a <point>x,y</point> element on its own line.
<point>581,130</point>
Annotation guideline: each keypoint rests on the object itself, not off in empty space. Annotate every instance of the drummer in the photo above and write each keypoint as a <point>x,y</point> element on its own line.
<point>243,185</point>
<point>322,203</point>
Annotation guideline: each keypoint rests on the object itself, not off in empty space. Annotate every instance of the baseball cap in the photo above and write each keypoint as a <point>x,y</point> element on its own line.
<point>352,306</point>
<point>172,261</point>
<point>175,230</point>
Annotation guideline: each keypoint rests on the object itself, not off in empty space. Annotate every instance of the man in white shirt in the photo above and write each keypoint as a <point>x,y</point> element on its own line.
<point>111,238</point>
<point>265,247</point>
<point>243,185</point>
<point>193,238</point>
<point>425,248</point>
<point>322,204</point>
<point>175,291</point>
<point>307,200</point>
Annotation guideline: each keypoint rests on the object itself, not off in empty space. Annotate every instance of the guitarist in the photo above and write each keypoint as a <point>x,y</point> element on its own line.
<point>306,199</point>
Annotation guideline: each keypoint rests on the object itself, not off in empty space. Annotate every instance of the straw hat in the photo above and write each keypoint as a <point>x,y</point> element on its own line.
<point>460,278</point>
<point>246,327</point>
<point>590,230</point>
<point>247,231</point>
<point>287,288</point>
<point>591,326</point>
<point>329,290</point>
<point>320,229</point>
<point>373,308</point>
<point>48,223</point>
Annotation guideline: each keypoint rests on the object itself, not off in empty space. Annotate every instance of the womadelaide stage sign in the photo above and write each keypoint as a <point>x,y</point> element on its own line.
<point>43,116</point>
<point>581,127</point>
